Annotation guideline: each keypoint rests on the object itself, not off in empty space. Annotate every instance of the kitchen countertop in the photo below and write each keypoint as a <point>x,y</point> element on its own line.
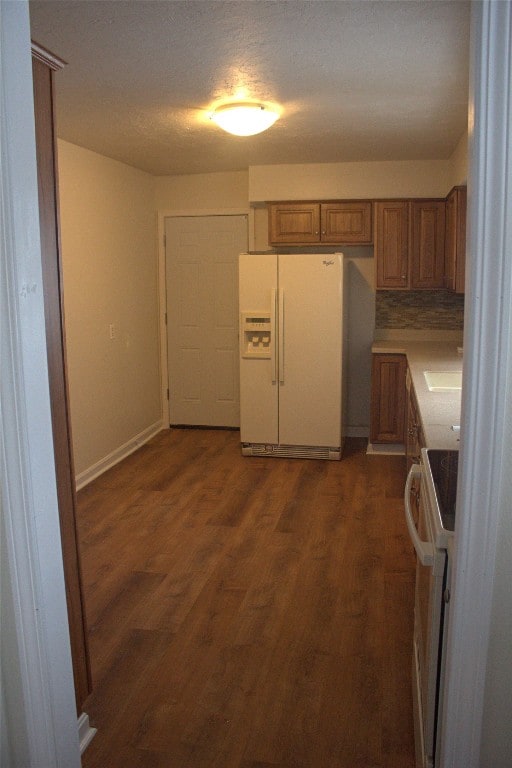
<point>438,410</point>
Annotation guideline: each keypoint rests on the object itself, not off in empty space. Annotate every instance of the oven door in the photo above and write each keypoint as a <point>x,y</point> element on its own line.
<point>430,568</point>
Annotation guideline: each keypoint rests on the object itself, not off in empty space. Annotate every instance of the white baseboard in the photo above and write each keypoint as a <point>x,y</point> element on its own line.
<point>118,455</point>
<point>85,733</point>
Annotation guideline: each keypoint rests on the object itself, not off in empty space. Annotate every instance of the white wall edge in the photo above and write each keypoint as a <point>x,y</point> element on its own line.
<point>85,732</point>
<point>162,293</point>
<point>113,458</point>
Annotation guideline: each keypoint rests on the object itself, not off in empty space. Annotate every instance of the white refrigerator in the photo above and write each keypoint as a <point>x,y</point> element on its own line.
<point>291,318</point>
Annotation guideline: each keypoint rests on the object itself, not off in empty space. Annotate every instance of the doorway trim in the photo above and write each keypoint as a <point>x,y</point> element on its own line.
<point>162,293</point>
<point>39,721</point>
<point>486,399</point>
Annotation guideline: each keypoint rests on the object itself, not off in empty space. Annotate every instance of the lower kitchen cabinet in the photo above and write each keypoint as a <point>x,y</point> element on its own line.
<point>388,398</point>
<point>414,440</point>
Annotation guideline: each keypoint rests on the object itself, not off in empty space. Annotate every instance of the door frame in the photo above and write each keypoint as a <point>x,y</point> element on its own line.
<point>39,721</point>
<point>162,292</point>
<point>484,482</point>
<point>34,447</point>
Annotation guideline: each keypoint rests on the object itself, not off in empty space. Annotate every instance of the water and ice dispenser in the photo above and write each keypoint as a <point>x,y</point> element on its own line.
<point>256,331</point>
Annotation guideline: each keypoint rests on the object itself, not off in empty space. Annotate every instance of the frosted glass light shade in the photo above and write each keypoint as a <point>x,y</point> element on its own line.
<point>244,119</point>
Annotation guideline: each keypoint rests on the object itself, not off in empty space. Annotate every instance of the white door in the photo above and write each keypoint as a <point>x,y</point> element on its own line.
<point>202,318</point>
<point>310,329</point>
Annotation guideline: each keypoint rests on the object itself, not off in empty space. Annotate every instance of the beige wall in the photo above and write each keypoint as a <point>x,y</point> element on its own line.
<point>202,191</point>
<point>108,231</point>
<point>426,178</point>
<point>459,163</point>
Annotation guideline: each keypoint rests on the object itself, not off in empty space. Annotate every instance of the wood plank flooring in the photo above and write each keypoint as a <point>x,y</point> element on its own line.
<point>248,612</point>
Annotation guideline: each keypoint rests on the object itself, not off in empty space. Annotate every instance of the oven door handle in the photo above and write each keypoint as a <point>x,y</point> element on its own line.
<point>424,549</point>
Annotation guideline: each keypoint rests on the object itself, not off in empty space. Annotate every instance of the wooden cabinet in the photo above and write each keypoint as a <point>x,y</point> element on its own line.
<point>455,240</point>
<point>427,244</point>
<point>388,398</point>
<point>314,223</point>
<point>294,223</point>
<point>391,247</point>
<point>346,222</point>
<point>409,244</point>
<point>414,440</point>
<point>43,66</point>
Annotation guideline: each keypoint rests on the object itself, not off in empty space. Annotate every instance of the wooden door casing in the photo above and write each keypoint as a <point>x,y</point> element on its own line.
<point>43,65</point>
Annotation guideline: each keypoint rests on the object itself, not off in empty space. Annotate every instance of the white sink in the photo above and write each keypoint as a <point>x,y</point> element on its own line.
<point>443,381</point>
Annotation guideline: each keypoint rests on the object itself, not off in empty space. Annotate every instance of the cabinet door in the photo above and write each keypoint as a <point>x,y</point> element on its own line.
<point>427,244</point>
<point>455,240</point>
<point>294,223</point>
<point>391,244</point>
<point>413,434</point>
<point>388,398</point>
<point>347,222</point>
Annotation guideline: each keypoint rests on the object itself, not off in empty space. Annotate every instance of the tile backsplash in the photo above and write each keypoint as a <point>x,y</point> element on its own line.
<point>441,310</point>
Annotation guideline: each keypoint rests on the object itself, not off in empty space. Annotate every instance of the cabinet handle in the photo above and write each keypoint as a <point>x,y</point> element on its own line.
<point>316,233</point>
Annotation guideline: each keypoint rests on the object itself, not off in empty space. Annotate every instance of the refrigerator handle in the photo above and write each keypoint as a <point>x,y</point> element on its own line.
<point>273,341</point>
<point>280,354</point>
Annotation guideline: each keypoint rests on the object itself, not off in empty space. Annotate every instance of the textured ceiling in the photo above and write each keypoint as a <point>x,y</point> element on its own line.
<point>358,80</point>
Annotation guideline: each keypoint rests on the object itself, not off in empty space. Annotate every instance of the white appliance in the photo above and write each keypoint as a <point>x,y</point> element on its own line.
<point>430,535</point>
<point>291,316</point>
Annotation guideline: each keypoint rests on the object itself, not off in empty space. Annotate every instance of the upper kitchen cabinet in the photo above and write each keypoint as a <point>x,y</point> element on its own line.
<point>455,240</point>
<point>348,222</point>
<point>294,223</point>
<point>391,248</point>
<point>345,222</point>
<point>409,244</point>
<point>427,244</point>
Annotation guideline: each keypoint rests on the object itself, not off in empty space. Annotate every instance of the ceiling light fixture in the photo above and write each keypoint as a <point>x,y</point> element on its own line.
<point>244,119</point>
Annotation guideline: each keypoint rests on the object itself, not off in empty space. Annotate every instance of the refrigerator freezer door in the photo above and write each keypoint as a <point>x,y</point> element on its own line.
<point>258,385</point>
<point>311,290</point>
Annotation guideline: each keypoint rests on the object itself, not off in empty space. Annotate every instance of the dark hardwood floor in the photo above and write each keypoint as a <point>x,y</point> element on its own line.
<point>248,612</point>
